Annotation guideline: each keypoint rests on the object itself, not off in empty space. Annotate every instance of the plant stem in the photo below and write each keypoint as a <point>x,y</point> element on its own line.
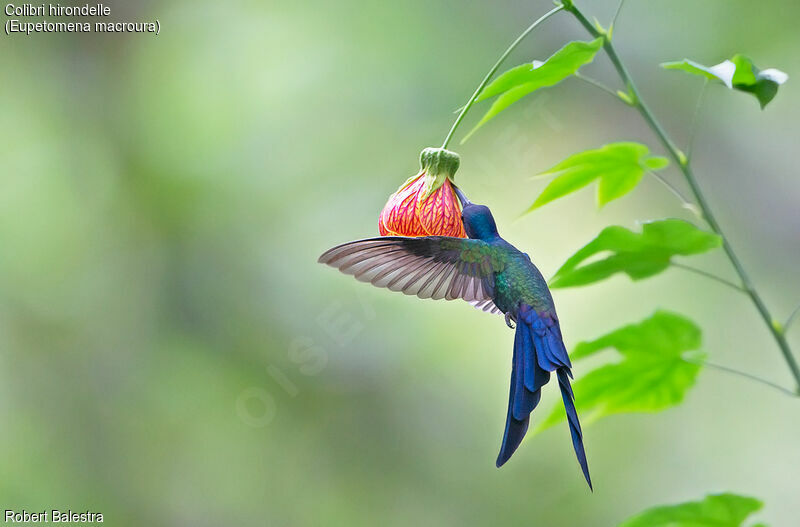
<point>616,14</point>
<point>693,129</point>
<point>742,374</point>
<point>683,163</point>
<point>685,203</point>
<point>708,275</point>
<point>597,84</point>
<point>791,319</point>
<point>493,70</point>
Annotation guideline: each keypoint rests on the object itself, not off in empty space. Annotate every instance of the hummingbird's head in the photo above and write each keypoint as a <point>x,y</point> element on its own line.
<point>478,220</point>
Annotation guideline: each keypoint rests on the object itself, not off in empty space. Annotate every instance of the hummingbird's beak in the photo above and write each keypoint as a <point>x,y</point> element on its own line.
<point>462,198</point>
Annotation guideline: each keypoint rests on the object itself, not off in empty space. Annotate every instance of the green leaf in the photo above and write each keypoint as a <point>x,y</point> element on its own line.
<point>637,255</point>
<point>651,376</point>
<point>720,510</point>
<point>618,167</point>
<point>518,82</point>
<point>738,73</point>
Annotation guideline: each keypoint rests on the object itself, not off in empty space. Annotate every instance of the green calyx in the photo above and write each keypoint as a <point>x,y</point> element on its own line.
<point>437,161</point>
<point>437,164</point>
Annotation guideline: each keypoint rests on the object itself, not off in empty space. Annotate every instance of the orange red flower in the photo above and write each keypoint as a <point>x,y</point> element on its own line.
<point>426,204</point>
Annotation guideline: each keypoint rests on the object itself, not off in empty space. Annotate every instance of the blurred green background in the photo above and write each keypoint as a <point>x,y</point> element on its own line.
<point>172,354</point>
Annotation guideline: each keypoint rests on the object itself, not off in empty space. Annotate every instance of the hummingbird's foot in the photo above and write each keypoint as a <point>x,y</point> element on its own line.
<point>508,320</point>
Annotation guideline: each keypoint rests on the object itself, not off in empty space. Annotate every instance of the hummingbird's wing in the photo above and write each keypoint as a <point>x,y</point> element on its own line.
<point>488,306</point>
<point>429,267</point>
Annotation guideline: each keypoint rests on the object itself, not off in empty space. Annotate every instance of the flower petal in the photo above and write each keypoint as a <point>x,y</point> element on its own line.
<point>440,213</point>
<point>399,215</point>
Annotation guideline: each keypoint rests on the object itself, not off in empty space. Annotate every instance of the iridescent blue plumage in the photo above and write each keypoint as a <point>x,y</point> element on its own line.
<point>495,276</point>
<point>538,345</point>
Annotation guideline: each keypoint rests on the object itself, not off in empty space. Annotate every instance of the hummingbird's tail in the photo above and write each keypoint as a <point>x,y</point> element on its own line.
<point>538,350</point>
<point>574,425</point>
<point>527,379</point>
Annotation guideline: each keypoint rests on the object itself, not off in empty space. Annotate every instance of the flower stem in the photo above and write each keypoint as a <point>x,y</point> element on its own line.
<point>683,163</point>
<point>493,70</point>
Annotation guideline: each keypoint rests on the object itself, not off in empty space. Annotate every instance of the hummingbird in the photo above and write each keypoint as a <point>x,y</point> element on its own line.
<point>493,275</point>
